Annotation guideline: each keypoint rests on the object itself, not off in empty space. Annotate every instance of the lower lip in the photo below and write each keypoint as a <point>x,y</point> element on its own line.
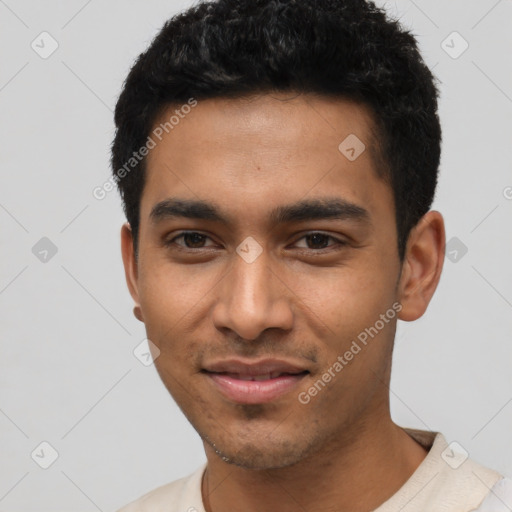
<point>255,391</point>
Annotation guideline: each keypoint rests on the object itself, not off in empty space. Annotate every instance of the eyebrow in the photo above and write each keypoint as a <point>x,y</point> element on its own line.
<point>311,209</point>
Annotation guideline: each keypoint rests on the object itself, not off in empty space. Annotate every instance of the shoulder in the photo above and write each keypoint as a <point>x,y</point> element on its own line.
<point>447,479</point>
<point>183,495</point>
<point>499,498</point>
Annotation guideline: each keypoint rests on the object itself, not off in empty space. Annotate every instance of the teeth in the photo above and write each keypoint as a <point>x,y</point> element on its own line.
<point>265,376</point>
<point>261,377</point>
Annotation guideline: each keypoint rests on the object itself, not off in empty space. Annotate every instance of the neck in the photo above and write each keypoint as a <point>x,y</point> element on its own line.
<point>357,476</point>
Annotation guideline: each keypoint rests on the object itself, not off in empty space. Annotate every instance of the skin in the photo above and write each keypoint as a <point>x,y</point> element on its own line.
<point>299,300</point>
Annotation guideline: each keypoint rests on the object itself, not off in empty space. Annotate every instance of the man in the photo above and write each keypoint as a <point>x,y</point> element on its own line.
<point>277,161</point>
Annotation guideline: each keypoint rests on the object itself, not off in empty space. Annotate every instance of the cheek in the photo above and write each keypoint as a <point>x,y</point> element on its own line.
<point>344,299</point>
<point>169,294</point>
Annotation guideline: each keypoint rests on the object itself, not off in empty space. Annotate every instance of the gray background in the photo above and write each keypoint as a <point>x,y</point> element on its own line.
<point>68,375</point>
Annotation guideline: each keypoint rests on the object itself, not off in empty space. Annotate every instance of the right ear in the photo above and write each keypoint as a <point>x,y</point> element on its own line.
<point>130,267</point>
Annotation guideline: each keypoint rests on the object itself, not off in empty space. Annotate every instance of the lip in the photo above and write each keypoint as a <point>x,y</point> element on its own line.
<point>232,378</point>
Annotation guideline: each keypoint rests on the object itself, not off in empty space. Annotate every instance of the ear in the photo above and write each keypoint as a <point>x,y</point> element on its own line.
<point>130,267</point>
<point>423,262</point>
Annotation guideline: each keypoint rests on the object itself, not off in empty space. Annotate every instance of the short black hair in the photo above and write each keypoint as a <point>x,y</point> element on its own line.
<point>337,48</point>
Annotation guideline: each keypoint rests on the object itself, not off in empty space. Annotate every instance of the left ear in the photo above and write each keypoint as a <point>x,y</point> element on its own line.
<point>423,262</point>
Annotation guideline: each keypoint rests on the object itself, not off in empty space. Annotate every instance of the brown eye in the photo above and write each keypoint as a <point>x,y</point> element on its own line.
<point>318,241</point>
<point>190,239</point>
<point>194,240</point>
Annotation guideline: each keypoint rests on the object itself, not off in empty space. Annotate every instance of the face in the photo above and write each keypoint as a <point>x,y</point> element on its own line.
<point>265,253</point>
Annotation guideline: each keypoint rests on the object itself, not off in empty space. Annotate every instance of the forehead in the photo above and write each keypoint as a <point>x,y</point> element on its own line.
<point>250,154</point>
<point>278,120</point>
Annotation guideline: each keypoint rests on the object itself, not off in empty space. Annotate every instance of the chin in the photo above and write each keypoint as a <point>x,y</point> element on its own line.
<point>264,455</point>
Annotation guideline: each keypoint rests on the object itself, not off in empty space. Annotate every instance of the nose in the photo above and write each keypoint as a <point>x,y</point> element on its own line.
<point>252,299</point>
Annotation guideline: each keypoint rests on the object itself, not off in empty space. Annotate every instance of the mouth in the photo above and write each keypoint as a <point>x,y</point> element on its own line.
<point>262,377</point>
<point>254,383</point>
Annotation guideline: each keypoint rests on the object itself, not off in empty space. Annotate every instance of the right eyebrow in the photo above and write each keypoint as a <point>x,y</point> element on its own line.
<point>187,208</point>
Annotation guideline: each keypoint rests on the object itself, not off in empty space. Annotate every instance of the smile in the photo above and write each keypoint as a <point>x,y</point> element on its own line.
<point>249,381</point>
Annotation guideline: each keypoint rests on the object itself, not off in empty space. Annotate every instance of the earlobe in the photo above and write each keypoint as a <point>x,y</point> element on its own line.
<point>423,263</point>
<point>137,313</point>
<point>130,268</point>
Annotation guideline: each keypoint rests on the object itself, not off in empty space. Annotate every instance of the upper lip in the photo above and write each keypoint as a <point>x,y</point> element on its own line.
<point>253,368</point>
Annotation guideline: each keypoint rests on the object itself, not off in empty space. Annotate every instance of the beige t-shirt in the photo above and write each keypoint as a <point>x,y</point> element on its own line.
<point>446,481</point>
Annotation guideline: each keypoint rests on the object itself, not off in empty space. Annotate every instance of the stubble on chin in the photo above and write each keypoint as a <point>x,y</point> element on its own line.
<point>264,453</point>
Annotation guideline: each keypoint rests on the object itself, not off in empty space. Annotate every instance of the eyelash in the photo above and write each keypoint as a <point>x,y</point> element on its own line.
<point>172,242</point>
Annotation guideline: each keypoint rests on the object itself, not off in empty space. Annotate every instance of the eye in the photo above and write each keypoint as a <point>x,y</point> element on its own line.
<point>190,239</point>
<point>318,241</point>
<point>314,241</point>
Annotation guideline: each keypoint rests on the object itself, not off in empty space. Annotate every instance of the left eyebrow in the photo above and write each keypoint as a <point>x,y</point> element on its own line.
<point>318,209</point>
<point>311,209</point>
